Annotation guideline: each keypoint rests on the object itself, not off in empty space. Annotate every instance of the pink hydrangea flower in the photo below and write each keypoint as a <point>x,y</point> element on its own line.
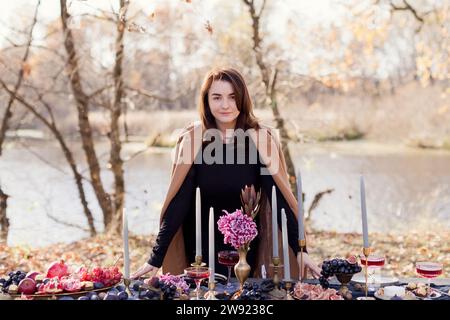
<point>238,228</point>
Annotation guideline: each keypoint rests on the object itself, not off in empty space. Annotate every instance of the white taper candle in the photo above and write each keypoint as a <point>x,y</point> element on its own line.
<point>301,227</point>
<point>287,267</point>
<point>126,254</point>
<point>274,224</point>
<point>198,223</point>
<point>211,245</point>
<point>364,214</point>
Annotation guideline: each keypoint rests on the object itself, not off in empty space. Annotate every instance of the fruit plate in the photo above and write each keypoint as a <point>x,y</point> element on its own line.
<point>383,297</point>
<point>62,294</point>
<point>383,280</point>
<point>379,294</point>
<point>430,293</point>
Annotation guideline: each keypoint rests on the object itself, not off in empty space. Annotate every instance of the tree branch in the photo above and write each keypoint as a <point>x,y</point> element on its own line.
<point>151,95</point>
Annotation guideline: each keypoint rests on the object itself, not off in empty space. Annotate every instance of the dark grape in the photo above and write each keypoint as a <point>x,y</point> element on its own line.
<point>121,288</point>
<point>136,285</point>
<point>123,295</point>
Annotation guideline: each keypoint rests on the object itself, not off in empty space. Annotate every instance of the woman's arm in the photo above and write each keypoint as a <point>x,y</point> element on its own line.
<point>176,213</point>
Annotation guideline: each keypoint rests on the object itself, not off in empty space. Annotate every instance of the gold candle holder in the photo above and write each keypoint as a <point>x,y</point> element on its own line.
<point>288,283</point>
<point>127,283</point>
<point>276,292</point>
<point>198,262</point>
<point>211,294</point>
<point>366,252</point>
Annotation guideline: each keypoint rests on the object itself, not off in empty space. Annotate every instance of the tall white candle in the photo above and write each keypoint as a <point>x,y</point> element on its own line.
<point>126,255</point>
<point>287,267</point>
<point>198,223</point>
<point>301,227</point>
<point>364,214</point>
<point>274,224</point>
<point>211,245</point>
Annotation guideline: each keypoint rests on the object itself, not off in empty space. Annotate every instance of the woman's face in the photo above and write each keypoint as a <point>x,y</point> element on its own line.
<point>222,103</point>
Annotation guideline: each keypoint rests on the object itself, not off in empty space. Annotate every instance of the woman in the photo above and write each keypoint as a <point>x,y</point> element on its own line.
<point>212,155</point>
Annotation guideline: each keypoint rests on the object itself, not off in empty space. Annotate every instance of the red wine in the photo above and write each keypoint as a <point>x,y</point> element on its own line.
<point>429,269</point>
<point>373,261</point>
<point>197,273</point>
<point>228,258</point>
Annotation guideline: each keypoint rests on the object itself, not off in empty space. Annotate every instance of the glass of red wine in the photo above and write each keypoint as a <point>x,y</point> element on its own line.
<point>429,270</point>
<point>374,264</point>
<point>228,258</point>
<point>197,274</point>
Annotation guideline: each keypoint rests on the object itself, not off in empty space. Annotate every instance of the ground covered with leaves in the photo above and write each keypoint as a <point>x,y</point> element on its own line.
<point>401,251</point>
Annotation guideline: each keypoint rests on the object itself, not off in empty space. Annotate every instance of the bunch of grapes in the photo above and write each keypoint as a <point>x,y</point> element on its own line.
<point>177,281</point>
<point>336,266</point>
<point>169,291</point>
<point>171,286</point>
<point>14,277</point>
<point>251,291</point>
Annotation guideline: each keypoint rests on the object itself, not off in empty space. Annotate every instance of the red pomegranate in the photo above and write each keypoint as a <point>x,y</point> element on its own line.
<point>52,286</point>
<point>27,286</point>
<point>32,275</point>
<point>71,284</point>
<point>57,269</point>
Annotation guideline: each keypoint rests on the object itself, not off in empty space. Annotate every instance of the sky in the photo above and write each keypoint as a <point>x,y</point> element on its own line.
<point>310,12</point>
<point>306,13</point>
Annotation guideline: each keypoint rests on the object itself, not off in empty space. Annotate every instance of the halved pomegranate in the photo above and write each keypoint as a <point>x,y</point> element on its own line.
<point>57,269</point>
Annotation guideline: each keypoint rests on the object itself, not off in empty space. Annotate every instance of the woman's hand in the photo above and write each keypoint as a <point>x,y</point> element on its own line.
<point>145,268</point>
<point>309,263</point>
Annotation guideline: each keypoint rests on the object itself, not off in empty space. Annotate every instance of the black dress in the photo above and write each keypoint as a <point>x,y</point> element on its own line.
<point>220,186</point>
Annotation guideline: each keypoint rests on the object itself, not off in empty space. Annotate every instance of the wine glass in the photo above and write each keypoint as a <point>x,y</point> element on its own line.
<point>197,274</point>
<point>228,258</point>
<point>374,265</point>
<point>429,270</point>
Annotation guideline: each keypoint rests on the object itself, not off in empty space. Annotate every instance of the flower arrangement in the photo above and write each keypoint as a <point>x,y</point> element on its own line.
<point>238,227</point>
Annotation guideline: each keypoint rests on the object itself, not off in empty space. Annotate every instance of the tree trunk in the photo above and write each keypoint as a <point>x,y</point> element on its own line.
<point>4,222</point>
<point>67,153</point>
<point>116,145</point>
<point>82,103</point>
<point>271,90</point>
<point>8,111</point>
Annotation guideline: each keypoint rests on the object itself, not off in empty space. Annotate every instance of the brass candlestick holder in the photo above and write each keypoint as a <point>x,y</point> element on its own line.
<point>276,292</point>
<point>288,283</point>
<point>366,252</point>
<point>211,294</point>
<point>127,282</point>
<point>302,244</point>
<point>198,262</point>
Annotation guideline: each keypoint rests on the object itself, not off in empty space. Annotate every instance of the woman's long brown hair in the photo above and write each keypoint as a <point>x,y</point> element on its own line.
<point>246,119</point>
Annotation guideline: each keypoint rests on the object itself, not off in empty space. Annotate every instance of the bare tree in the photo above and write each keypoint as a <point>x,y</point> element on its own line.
<point>8,111</point>
<point>7,115</point>
<point>4,222</point>
<point>82,104</point>
<point>52,126</point>
<point>269,79</point>
<point>111,204</point>
<point>114,136</point>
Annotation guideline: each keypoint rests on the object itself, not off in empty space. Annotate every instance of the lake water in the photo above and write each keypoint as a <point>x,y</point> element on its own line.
<point>405,188</point>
